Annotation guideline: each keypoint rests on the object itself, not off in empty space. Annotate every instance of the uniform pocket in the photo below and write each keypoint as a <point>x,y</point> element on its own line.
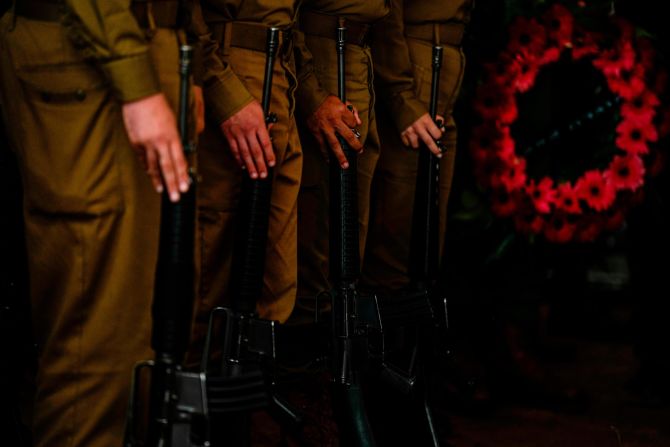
<point>72,132</point>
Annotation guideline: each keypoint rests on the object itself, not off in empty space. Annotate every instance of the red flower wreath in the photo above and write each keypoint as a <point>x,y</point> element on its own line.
<point>597,201</point>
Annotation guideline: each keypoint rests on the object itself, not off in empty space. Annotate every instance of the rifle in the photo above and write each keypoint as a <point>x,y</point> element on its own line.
<point>416,317</point>
<point>348,326</point>
<point>244,379</point>
<point>178,412</point>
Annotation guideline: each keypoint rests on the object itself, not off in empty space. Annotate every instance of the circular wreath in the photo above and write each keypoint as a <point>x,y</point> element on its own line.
<point>576,210</point>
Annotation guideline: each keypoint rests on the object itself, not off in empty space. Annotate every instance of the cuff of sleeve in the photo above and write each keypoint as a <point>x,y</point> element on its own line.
<point>132,77</point>
<point>225,96</point>
<point>406,109</point>
<point>309,96</point>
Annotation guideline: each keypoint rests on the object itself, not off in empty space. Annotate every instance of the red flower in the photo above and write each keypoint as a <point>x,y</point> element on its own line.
<point>567,200</point>
<point>596,190</point>
<point>584,44</point>
<point>513,175</point>
<point>613,61</point>
<point>542,194</point>
<point>491,142</point>
<point>634,137</point>
<point>529,223</point>
<point>559,23</point>
<point>559,229</point>
<point>626,172</point>
<point>628,84</point>
<point>589,229</point>
<point>526,37</point>
<point>496,103</point>
<point>641,110</point>
<point>504,204</point>
<point>529,67</point>
<point>503,71</point>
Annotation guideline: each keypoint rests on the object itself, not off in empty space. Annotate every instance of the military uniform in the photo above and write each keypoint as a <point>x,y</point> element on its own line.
<point>317,67</point>
<point>91,213</point>
<point>402,49</point>
<point>231,82</point>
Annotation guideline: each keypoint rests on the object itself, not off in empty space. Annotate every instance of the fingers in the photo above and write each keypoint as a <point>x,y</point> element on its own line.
<point>257,154</point>
<point>153,171</point>
<point>180,164</point>
<point>248,160</point>
<point>169,173</point>
<point>266,146</point>
<point>433,130</point>
<point>235,149</point>
<point>410,138</point>
<point>349,136</point>
<point>349,119</point>
<point>429,141</point>
<point>336,148</point>
<point>354,111</point>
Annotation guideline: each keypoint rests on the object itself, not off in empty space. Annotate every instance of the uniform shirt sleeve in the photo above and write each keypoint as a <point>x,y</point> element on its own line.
<point>309,94</point>
<point>224,92</point>
<point>107,34</point>
<point>393,69</point>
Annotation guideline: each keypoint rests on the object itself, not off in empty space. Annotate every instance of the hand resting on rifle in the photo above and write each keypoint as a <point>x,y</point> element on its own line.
<point>249,140</point>
<point>423,130</point>
<point>334,118</point>
<point>152,132</point>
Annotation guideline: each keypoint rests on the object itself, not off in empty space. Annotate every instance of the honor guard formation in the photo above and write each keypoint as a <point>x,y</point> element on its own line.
<point>229,204</point>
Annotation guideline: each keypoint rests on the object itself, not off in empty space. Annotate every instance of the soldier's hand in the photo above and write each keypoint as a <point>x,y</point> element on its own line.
<point>423,130</point>
<point>334,118</point>
<point>249,140</point>
<point>152,131</point>
<point>199,109</point>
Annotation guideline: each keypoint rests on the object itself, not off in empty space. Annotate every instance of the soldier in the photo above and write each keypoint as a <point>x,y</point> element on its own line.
<point>81,87</point>
<point>237,143</point>
<point>402,55</point>
<point>324,116</point>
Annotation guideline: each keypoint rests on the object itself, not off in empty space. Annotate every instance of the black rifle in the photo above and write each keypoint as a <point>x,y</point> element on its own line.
<point>244,379</point>
<point>414,321</point>
<point>348,328</point>
<point>177,402</point>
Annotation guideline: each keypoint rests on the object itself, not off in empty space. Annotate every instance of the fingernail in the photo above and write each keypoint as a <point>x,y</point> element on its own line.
<point>439,155</point>
<point>264,174</point>
<point>345,165</point>
<point>254,175</point>
<point>174,197</point>
<point>159,189</point>
<point>272,164</point>
<point>183,186</point>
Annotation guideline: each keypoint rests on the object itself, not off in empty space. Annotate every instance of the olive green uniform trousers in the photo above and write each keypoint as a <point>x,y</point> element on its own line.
<point>219,195</point>
<point>92,221</point>
<point>385,267</point>
<point>313,220</point>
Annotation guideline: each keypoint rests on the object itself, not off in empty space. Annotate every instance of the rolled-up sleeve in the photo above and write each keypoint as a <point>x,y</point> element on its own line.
<point>393,69</point>
<point>108,35</point>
